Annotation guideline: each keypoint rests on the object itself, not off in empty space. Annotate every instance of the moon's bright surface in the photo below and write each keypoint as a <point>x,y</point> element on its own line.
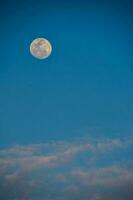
<point>40,48</point>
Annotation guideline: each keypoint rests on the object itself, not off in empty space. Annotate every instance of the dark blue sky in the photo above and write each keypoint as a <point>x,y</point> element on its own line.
<point>66,122</point>
<point>84,87</point>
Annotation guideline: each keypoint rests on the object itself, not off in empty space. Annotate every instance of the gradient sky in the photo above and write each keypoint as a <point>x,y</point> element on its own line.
<point>83,90</point>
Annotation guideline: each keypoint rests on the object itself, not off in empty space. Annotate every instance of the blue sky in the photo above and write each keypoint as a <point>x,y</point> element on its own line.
<point>83,90</point>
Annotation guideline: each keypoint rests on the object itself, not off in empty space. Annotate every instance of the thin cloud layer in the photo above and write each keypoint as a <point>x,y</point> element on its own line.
<point>68,170</point>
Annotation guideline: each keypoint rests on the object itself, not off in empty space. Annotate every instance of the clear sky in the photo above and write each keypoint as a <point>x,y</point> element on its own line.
<point>83,90</point>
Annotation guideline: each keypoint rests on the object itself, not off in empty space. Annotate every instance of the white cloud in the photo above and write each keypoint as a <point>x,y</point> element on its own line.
<point>66,170</point>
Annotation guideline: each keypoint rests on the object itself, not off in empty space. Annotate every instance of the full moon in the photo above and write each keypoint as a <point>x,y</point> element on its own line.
<point>40,48</point>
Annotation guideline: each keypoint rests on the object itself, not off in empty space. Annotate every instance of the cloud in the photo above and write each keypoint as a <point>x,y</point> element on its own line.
<point>68,170</point>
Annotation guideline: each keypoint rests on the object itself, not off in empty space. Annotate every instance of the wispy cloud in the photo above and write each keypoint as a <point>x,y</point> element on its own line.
<point>81,169</point>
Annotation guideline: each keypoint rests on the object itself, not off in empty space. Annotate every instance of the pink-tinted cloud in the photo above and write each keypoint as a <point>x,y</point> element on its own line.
<point>71,170</point>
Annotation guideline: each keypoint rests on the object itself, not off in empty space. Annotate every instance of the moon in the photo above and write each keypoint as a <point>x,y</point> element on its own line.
<point>40,48</point>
